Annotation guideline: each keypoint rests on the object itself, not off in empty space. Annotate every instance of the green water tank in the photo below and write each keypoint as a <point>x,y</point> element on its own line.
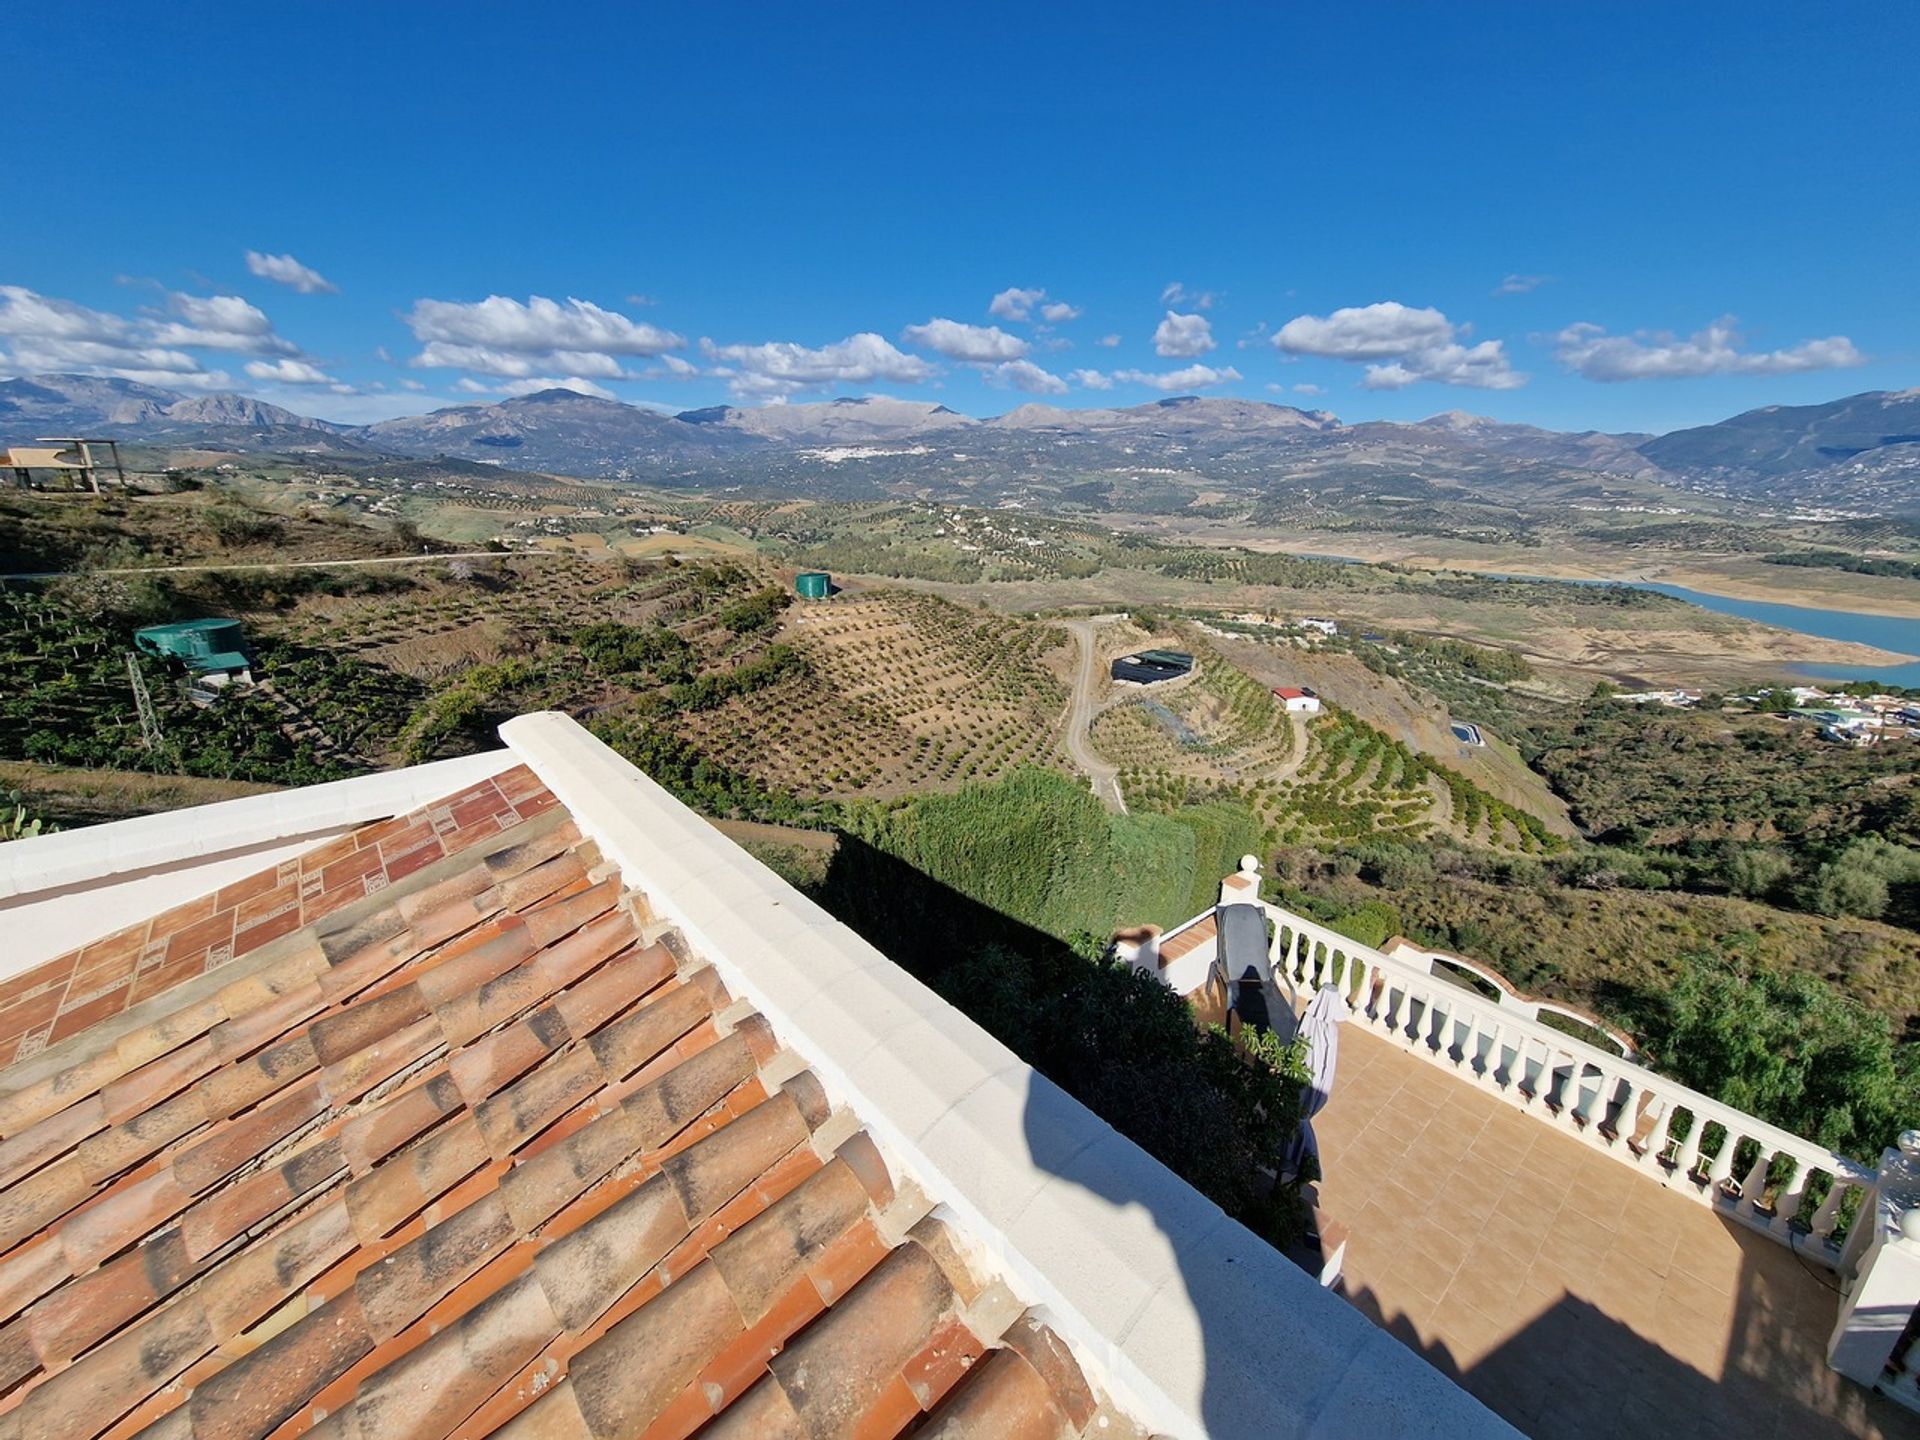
<point>197,644</point>
<point>813,584</point>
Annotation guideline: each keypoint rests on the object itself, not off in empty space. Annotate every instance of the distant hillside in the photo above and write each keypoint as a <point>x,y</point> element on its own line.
<point>39,405</point>
<point>873,417</point>
<point>1178,414</point>
<point>561,431</point>
<point>1779,440</point>
<point>1285,465</point>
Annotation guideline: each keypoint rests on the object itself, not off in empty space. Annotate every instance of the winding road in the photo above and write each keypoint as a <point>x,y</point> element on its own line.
<point>1082,709</point>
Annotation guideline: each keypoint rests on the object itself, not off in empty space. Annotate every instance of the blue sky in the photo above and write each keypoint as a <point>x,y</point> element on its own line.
<point>1618,216</point>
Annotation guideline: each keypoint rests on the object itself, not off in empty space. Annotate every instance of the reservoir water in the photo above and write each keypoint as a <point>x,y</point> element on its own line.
<point>1886,632</point>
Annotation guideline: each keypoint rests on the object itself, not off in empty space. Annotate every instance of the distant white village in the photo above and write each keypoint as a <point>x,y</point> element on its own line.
<point>1844,717</point>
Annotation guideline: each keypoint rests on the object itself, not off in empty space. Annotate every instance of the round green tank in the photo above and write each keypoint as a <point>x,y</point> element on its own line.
<point>813,585</point>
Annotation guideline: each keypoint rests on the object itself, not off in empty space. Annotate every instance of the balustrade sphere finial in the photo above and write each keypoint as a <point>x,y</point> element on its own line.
<point>1250,864</point>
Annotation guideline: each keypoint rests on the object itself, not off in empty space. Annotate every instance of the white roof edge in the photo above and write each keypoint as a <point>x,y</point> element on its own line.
<point>99,853</point>
<point>1195,1325</point>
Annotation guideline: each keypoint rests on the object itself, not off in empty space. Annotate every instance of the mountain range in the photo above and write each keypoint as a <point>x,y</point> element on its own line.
<point>1867,445</point>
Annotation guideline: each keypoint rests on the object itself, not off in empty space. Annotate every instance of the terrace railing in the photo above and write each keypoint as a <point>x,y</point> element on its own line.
<point>1792,1189</point>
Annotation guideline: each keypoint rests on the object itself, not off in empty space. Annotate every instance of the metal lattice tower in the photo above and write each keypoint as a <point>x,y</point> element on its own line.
<point>150,737</point>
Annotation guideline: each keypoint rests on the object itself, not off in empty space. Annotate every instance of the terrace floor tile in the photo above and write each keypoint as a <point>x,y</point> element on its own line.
<point>1574,1296</point>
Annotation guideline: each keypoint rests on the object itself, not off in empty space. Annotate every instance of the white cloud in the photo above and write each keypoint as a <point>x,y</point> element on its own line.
<point>1193,377</point>
<point>975,344</point>
<point>1308,389</point>
<point>48,334</point>
<point>411,385</point>
<point>289,372</point>
<point>1365,332</point>
<point>1521,284</point>
<point>1091,380</point>
<point>1027,376</point>
<point>532,339</point>
<point>671,367</point>
<point>220,322</point>
<point>285,270</point>
<point>1415,344</point>
<point>1178,294</point>
<point>1015,303</point>
<point>1108,341</point>
<point>1183,336</point>
<point>440,354</point>
<point>780,367</point>
<point>1589,351</point>
<point>1059,312</point>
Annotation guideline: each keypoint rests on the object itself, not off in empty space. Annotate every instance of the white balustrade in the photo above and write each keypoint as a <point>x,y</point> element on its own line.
<point>1594,1094</point>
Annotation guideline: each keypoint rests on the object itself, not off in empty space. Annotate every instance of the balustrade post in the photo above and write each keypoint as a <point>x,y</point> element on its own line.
<point>1497,1057</point>
<point>1828,1215</point>
<point>1638,1125</point>
<point>1786,1205</point>
<point>1600,1108</point>
<point>1722,1165</point>
<point>1753,1185</point>
<point>1689,1153</point>
<point>1434,1026</point>
<point>1477,1035</point>
<point>1567,1115</point>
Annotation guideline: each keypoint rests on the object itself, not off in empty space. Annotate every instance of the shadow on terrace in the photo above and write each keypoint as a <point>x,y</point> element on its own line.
<point>1571,1295</point>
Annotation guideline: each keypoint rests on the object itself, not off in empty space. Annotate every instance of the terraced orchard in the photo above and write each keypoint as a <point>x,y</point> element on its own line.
<point>1334,778</point>
<point>1219,727</point>
<point>901,692</point>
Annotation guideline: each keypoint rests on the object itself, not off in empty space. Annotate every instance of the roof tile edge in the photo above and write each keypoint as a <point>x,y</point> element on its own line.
<point>70,858</point>
<point>1302,1362</point>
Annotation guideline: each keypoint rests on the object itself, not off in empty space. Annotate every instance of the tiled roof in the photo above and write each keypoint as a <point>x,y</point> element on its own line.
<point>67,994</point>
<point>438,1131</point>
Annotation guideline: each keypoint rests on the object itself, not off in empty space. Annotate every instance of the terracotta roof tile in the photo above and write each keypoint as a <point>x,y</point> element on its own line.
<point>1004,1400</point>
<point>587,1271</point>
<point>240,1291</point>
<point>267,1386</point>
<point>1054,1363</point>
<point>41,1142</point>
<point>765,1258</point>
<point>30,1272</point>
<point>97,1304</point>
<point>95,1391</point>
<point>630,1375</point>
<point>444,1146</point>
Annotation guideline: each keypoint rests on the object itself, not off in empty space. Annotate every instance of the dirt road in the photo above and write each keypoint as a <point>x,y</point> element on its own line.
<point>280,564</point>
<point>1081,710</point>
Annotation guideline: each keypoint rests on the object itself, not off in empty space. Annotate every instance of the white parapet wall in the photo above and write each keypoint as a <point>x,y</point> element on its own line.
<point>73,887</point>
<point>1194,1323</point>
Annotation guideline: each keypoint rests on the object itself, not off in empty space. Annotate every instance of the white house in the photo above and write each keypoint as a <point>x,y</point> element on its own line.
<point>1300,701</point>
